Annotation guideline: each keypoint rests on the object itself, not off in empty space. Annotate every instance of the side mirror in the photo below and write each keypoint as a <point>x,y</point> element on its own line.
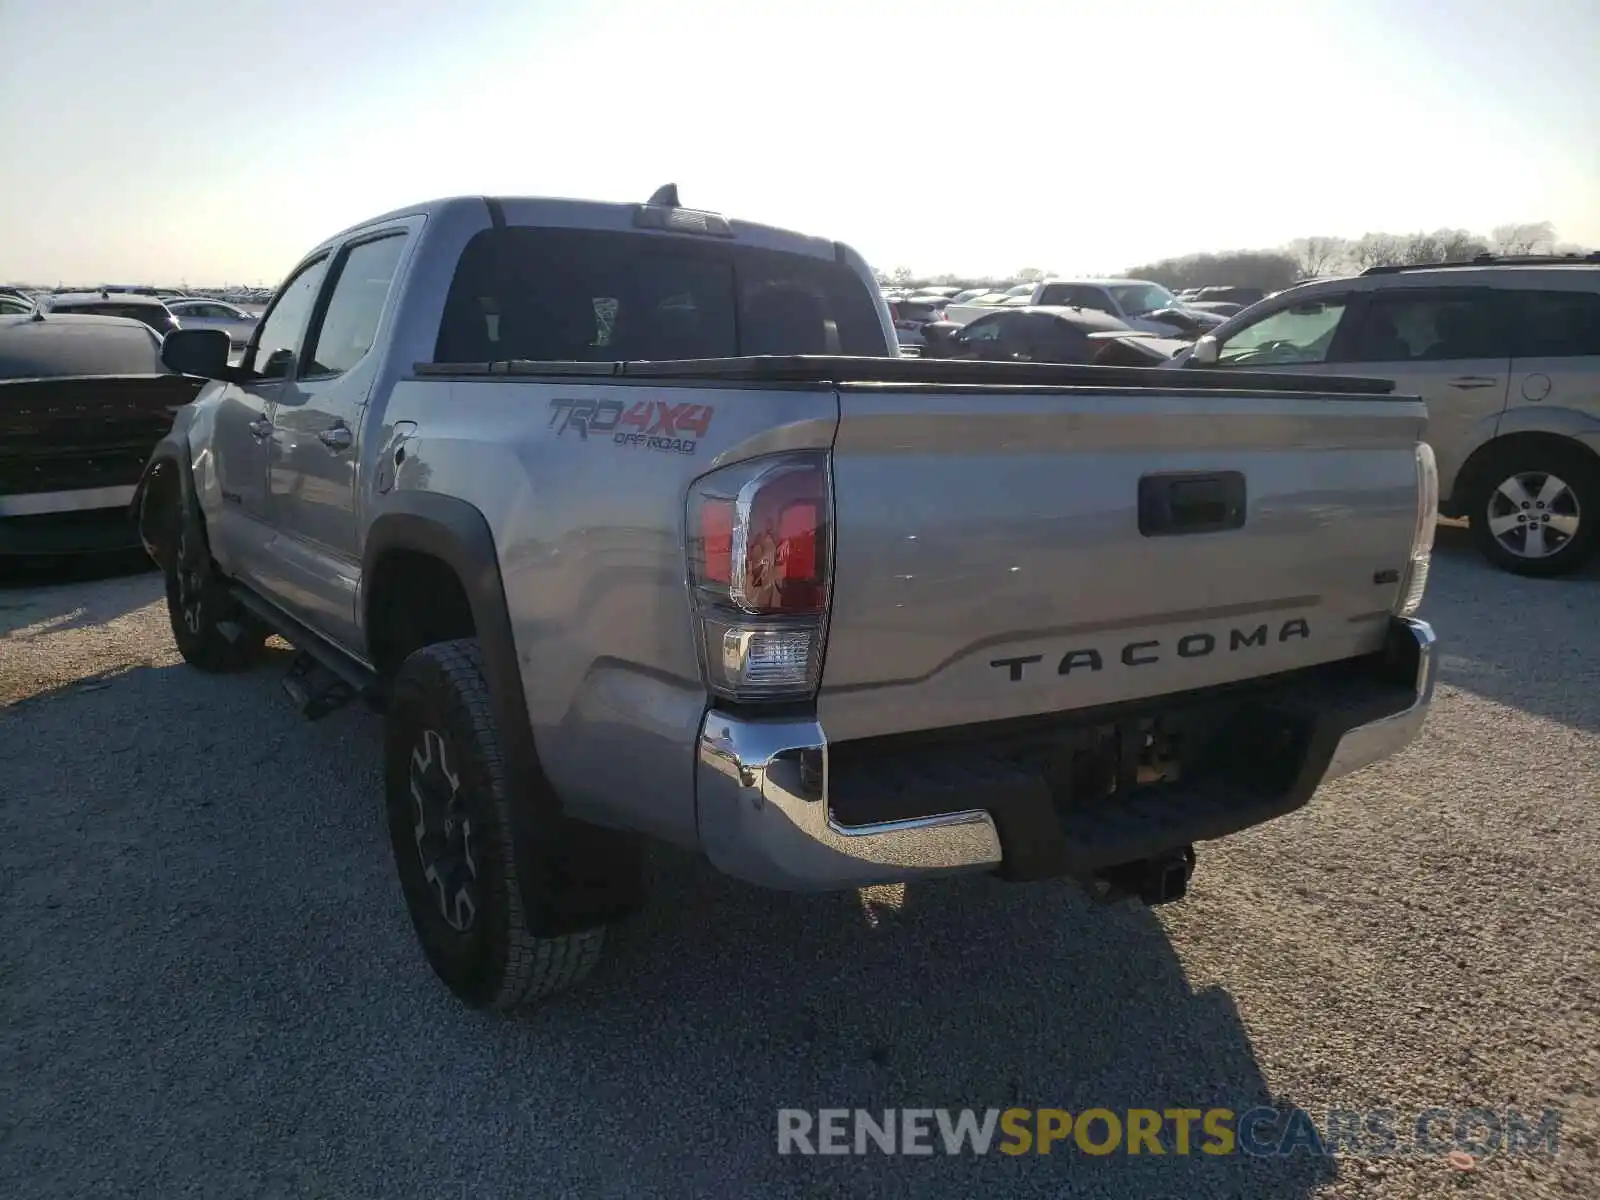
<point>1205,353</point>
<point>201,352</point>
<point>277,364</point>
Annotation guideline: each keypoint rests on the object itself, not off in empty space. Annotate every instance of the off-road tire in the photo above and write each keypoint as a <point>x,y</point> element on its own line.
<point>496,962</point>
<point>1577,469</point>
<point>212,630</point>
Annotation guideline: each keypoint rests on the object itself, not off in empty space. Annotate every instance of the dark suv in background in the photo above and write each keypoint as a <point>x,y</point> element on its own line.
<point>148,310</point>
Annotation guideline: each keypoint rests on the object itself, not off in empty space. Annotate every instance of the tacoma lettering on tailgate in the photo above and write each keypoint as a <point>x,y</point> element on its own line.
<point>1144,653</point>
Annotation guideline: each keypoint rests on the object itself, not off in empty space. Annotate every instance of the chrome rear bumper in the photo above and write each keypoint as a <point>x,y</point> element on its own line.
<point>764,816</point>
<point>1366,744</point>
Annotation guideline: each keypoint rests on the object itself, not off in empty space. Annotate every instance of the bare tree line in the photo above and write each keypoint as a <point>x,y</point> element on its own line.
<point>1303,258</point>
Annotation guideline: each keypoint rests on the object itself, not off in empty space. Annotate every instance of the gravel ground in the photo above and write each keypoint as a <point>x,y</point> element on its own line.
<point>210,988</point>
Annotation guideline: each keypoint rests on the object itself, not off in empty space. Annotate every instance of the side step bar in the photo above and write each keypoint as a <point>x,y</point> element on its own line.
<point>323,678</point>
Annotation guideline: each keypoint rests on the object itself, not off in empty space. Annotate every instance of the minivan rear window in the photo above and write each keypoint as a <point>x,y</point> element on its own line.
<point>581,295</point>
<point>153,315</point>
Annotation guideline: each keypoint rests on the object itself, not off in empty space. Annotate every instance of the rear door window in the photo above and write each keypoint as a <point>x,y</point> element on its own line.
<point>567,295</point>
<point>350,321</point>
<point>1428,326</point>
<point>1558,324</point>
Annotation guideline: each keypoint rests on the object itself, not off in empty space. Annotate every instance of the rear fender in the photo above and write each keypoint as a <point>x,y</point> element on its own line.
<point>1490,434</point>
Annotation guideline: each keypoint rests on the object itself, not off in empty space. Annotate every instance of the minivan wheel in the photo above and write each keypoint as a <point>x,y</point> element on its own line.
<point>449,815</point>
<point>1537,511</point>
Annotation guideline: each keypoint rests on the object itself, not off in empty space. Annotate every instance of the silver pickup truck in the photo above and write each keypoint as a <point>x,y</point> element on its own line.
<point>632,525</point>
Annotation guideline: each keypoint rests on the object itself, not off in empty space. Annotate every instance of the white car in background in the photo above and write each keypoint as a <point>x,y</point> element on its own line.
<point>1138,303</point>
<point>214,314</point>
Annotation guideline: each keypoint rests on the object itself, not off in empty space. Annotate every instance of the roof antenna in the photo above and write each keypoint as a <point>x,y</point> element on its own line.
<point>665,196</point>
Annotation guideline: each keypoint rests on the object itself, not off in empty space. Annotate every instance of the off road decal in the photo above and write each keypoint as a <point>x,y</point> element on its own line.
<point>644,425</point>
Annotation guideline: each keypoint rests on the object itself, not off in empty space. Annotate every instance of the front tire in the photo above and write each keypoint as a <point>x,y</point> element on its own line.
<point>212,630</point>
<point>1536,510</point>
<point>449,811</point>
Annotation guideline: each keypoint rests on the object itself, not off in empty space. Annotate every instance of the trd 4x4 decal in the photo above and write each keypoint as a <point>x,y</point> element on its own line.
<point>646,425</point>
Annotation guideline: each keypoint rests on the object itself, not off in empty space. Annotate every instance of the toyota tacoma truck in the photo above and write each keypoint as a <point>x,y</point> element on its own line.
<point>633,526</point>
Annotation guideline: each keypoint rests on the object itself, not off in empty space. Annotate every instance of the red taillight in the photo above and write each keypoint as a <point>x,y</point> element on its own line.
<point>716,538</point>
<point>759,561</point>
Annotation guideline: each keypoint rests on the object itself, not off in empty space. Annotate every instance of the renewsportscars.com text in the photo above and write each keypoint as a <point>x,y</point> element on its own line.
<point>1257,1132</point>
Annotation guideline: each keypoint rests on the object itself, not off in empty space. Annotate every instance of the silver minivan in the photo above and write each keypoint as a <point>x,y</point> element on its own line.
<point>1506,353</point>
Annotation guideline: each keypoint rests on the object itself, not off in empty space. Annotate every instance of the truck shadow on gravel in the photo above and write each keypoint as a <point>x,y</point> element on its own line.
<point>203,905</point>
<point>963,993</point>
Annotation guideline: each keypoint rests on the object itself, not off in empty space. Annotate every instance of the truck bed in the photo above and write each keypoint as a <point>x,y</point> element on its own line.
<point>841,370</point>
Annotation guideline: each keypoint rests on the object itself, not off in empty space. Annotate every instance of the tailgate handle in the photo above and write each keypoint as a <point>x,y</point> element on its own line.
<point>1191,502</point>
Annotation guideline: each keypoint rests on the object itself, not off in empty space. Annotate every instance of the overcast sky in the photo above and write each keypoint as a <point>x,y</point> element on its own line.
<point>176,140</point>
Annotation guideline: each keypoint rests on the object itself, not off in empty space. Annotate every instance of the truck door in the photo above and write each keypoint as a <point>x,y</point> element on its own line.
<point>243,432</point>
<point>314,458</point>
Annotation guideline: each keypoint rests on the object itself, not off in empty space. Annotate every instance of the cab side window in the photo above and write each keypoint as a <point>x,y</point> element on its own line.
<point>350,322</point>
<point>278,339</point>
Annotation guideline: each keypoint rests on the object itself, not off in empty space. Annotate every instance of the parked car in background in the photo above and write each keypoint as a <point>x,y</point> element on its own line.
<point>214,314</point>
<point>1052,335</point>
<point>1505,351</point>
<point>1133,348</point>
<point>962,311</point>
<point>1217,308</point>
<point>1242,296</point>
<point>1137,303</point>
<point>108,303</point>
<point>909,317</point>
<point>83,402</point>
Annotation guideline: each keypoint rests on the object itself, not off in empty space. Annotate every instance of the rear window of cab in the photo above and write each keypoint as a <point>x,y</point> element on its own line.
<point>566,295</point>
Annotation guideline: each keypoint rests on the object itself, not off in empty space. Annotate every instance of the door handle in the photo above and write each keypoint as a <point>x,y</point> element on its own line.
<point>1468,383</point>
<point>337,438</point>
<point>1185,502</point>
<point>261,429</point>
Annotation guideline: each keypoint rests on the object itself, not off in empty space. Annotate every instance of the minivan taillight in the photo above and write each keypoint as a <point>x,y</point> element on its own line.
<point>760,562</point>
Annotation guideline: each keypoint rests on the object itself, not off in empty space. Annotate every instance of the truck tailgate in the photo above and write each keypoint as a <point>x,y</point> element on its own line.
<point>990,560</point>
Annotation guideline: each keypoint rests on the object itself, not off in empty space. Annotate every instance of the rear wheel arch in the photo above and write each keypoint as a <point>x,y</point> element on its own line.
<point>440,549</point>
<point>446,543</point>
<point>164,496</point>
<point>1470,479</point>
